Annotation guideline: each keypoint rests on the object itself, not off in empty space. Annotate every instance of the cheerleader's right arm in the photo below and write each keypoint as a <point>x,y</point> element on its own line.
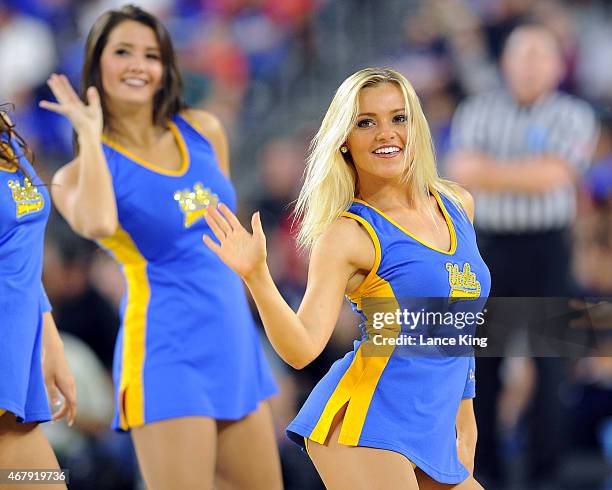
<point>83,189</point>
<point>339,259</point>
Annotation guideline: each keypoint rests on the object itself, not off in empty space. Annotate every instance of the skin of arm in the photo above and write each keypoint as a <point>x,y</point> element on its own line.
<point>530,175</point>
<point>467,433</point>
<point>299,337</point>
<point>57,373</point>
<point>83,189</point>
<point>211,128</point>
<point>83,192</point>
<point>467,201</point>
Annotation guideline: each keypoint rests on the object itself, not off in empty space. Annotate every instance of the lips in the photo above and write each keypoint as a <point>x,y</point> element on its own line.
<point>134,82</point>
<point>387,151</point>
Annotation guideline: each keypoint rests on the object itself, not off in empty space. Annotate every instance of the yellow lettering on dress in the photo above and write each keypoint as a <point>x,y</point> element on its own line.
<point>463,283</point>
<point>194,203</point>
<point>27,198</point>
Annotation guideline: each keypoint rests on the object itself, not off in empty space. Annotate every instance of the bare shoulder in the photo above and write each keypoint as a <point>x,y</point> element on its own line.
<point>346,239</point>
<point>467,200</point>
<point>209,126</point>
<point>205,122</point>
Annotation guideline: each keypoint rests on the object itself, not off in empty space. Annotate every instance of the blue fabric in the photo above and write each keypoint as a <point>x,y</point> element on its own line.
<point>24,210</point>
<point>202,352</point>
<point>415,399</point>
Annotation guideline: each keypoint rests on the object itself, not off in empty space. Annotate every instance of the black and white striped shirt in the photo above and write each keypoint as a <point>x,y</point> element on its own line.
<point>494,124</point>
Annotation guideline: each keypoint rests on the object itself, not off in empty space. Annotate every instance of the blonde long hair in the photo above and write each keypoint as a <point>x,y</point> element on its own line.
<point>330,179</point>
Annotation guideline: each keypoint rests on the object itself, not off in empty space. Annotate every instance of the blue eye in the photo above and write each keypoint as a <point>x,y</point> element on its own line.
<point>365,123</point>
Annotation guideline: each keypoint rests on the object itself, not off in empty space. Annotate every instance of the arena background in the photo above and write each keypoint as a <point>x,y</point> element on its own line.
<point>268,69</point>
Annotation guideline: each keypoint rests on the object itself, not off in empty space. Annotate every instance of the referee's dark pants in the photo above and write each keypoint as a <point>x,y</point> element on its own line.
<point>524,265</point>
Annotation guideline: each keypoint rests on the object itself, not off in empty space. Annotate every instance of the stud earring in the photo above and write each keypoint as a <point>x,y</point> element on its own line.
<point>344,149</point>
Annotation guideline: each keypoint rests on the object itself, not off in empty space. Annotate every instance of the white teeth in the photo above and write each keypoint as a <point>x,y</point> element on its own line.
<point>387,149</point>
<point>134,82</point>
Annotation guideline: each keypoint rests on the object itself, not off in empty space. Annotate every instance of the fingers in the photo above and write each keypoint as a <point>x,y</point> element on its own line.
<point>52,106</point>
<point>93,97</point>
<point>68,388</point>
<point>60,414</point>
<point>219,221</point>
<point>210,243</point>
<point>61,88</point>
<point>230,217</point>
<point>256,224</point>
<point>216,229</point>
<point>63,385</point>
<point>52,393</point>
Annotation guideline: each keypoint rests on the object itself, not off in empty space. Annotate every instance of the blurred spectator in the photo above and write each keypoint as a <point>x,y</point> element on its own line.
<point>520,150</point>
<point>23,65</point>
<point>268,68</point>
<point>78,308</point>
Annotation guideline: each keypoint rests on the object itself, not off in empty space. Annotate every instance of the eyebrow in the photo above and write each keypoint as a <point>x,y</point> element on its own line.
<point>130,45</point>
<point>403,109</point>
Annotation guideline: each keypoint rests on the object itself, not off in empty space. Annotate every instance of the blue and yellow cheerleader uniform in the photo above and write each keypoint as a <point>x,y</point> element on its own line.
<point>24,210</point>
<point>187,345</point>
<point>400,399</point>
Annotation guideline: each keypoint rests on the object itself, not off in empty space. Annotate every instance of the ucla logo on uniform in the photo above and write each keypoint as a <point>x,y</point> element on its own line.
<point>194,203</point>
<point>463,283</point>
<point>27,198</point>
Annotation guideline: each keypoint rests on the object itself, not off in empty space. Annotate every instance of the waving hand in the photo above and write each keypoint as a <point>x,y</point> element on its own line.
<point>240,250</point>
<point>83,117</point>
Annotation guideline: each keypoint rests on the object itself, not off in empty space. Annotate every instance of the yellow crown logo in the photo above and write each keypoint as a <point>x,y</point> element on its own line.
<point>26,197</point>
<point>463,283</point>
<point>194,203</point>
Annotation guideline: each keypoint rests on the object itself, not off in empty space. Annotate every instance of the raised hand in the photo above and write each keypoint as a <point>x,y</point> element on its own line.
<point>83,117</point>
<point>240,250</point>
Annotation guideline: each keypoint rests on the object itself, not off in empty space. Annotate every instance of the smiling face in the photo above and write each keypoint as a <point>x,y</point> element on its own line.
<point>378,142</point>
<point>130,64</point>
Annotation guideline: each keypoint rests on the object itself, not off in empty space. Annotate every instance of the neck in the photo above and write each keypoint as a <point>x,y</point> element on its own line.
<point>383,194</point>
<point>529,100</point>
<point>132,125</point>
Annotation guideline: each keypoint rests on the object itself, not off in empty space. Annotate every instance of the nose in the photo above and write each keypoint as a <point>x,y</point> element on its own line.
<point>385,131</point>
<point>137,64</point>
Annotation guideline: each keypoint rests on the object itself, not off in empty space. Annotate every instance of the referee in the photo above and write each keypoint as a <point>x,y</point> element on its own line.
<point>520,151</point>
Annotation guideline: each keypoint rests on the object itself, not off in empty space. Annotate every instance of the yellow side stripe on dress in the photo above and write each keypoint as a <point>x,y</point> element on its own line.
<point>358,383</point>
<point>131,391</point>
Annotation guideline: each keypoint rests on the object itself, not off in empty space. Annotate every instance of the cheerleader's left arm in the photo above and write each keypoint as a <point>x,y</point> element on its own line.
<point>467,433</point>
<point>57,373</point>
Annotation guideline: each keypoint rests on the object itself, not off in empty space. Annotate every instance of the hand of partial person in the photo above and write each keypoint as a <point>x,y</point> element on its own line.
<point>466,169</point>
<point>83,117</point>
<point>242,251</point>
<point>59,381</point>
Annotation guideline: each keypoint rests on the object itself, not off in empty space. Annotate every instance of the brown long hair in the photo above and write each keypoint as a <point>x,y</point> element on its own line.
<point>168,100</point>
<point>7,136</point>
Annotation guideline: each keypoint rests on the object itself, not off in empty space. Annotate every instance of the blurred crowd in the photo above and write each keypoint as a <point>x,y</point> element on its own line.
<point>268,69</point>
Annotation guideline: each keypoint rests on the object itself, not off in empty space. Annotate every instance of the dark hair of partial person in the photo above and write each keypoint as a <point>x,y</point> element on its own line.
<point>168,100</point>
<point>8,135</point>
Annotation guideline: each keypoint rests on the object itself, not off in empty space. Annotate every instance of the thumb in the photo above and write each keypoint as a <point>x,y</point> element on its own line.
<point>256,224</point>
<point>93,97</point>
<point>53,394</point>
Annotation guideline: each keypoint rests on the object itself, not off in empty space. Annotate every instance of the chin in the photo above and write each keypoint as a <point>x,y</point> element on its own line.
<point>134,99</point>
